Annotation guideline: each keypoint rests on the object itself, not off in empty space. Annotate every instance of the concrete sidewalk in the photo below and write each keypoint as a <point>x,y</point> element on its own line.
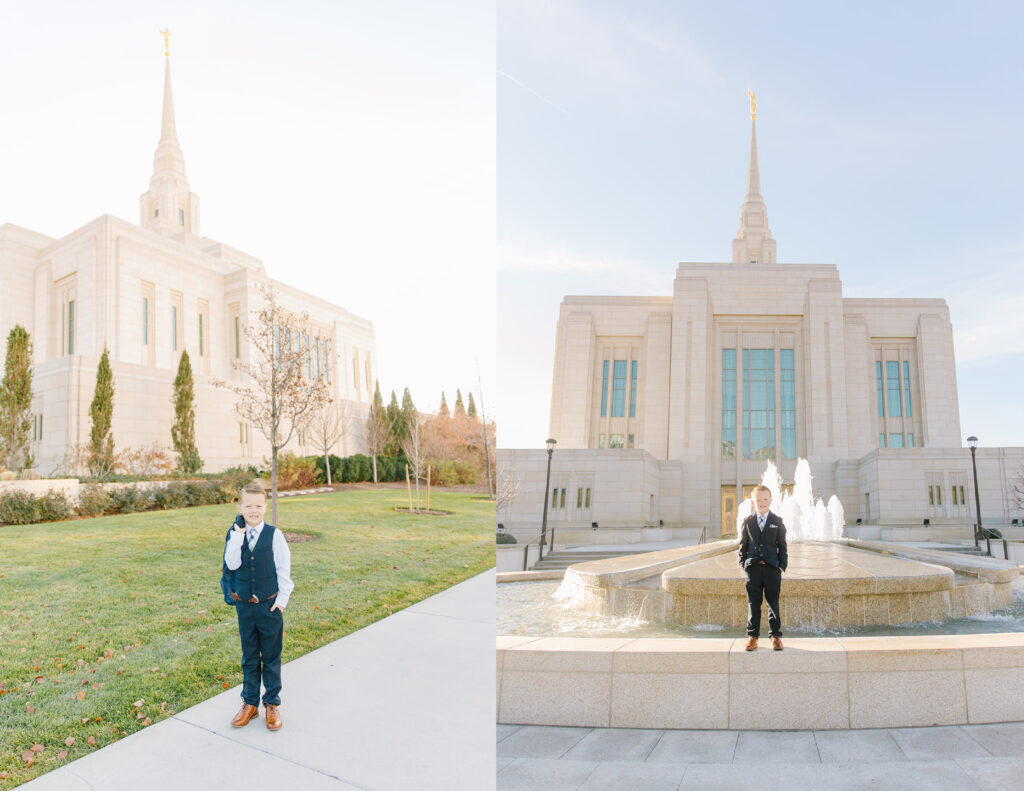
<point>405,703</point>
<point>957,758</point>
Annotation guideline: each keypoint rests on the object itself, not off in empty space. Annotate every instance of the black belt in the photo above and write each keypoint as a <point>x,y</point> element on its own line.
<point>252,599</point>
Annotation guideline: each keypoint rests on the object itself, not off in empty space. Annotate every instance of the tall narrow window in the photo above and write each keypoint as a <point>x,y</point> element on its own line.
<point>758,403</point>
<point>277,346</point>
<point>788,394</point>
<point>145,320</point>
<point>366,365</point>
<point>316,356</point>
<point>71,326</point>
<point>906,386</point>
<point>895,440</point>
<point>327,363</point>
<point>632,389</point>
<point>728,403</point>
<point>200,334</point>
<point>174,327</point>
<point>881,440</point>
<point>309,359</point>
<point>619,389</point>
<point>604,390</point>
<point>892,385</point>
<point>238,338</point>
<point>878,377</point>
<point>181,216</point>
<point>910,440</point>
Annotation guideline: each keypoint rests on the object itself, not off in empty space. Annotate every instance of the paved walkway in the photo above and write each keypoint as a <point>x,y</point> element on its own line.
<point>406,703</point>
<point>958,758</point>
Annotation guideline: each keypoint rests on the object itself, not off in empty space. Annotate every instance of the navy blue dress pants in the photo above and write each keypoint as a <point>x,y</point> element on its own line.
<point>261,630</point>
<point>763,579</point>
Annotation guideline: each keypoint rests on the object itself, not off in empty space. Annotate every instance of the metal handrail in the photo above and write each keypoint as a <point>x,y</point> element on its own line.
<point>540,551</point>
<point>703,535</point>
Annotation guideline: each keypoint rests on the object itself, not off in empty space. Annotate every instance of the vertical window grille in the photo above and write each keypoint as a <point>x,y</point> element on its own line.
<point>878,377</point>
<point>892,384</point>
<point>759,403</point>
<point>238,338</point>
<point>906,385</point>
<point>145,320</point>
<point>619,389</point>
<point>604,390</point>
<point>728,403</point>
<point>632,390</point>
<point>316,355</point>
<point>788,394</point>
<point>881,440</point>
<point>174,327</point>
<point>200,334</point>
<point>910,440</point>
<point>71,326</point>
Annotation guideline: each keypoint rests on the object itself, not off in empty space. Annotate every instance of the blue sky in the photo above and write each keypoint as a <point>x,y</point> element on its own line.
<point>890,143</point>
<point>349,145</point>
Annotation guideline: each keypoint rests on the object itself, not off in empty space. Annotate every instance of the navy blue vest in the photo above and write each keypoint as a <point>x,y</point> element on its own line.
<point>257,575</point>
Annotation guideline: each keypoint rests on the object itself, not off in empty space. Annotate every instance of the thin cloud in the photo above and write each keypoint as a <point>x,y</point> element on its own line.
<point>531,90</point>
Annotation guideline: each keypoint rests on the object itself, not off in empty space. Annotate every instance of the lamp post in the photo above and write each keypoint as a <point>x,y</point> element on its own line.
<point>547,490</point>
<point>972,443</point>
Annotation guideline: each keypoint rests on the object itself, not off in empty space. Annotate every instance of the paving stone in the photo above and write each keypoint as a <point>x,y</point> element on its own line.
<point>706,747</point>
<point>615,744</point>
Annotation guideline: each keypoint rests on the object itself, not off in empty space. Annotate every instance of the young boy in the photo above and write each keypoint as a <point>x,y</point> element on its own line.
<point>257,580</point>
<point>763,555</point>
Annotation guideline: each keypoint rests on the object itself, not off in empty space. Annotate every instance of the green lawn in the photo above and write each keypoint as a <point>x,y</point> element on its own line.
<point>97,615</point>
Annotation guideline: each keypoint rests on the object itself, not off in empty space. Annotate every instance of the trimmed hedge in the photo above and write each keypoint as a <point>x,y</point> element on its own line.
<point>22,508</point>
<point>506,538</point>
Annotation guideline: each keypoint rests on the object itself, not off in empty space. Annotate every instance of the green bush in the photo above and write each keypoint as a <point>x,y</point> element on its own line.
<point>129,499</point>
<point>170,496</point>
<point>53,507</point>
<point>93,500</point>
<point>506,538</point>
<point>22,508</point>
<point>451,473</point>
<point>295,472</point>
<point>237,477</point>
<point>17,508</point>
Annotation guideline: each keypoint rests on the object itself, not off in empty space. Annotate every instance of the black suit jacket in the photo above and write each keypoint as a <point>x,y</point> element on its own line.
<point>769,547</point>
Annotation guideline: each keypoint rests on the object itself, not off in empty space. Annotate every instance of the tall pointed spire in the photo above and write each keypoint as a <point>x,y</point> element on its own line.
<point>169,206</point>
<point>753,242</point>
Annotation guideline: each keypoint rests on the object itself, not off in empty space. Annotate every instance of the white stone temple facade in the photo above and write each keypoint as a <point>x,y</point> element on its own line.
<point>147,292</point>
<point>665,409</point>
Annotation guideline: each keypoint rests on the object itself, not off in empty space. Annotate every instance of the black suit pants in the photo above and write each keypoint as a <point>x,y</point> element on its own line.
<point>763,579</point>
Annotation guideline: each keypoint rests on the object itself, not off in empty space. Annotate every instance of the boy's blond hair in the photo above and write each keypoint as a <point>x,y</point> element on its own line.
<point>760,488</point>
<point>253,487</point>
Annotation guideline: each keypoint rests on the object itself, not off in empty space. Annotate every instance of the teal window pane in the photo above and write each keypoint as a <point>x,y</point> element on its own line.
<point>878,377</point>
<point>619,389</point>
<point>881,440</point>
<point>632,390</point>
<point>892,386</point>
<point>906,386</point>
<point>728,403</point>
<point>604,390</point>
<point>145,320</point>
<point>759,403</point>
<point>910,440</point>
<point>895,440</point>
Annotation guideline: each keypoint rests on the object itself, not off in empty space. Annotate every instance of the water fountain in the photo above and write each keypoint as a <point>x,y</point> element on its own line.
<point>832,582</point>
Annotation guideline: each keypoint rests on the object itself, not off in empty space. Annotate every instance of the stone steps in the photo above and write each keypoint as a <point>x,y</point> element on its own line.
<point>562,560</point>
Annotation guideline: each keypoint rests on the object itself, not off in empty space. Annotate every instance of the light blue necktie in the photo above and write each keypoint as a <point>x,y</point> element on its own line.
<point>252,538</point>
<point>761,520</point>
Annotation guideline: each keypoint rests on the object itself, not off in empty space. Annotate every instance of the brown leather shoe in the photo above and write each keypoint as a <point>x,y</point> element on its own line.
<point>245,714</point>
<point>751,644</point>
<point>776,643</point>
<point>273,715</point>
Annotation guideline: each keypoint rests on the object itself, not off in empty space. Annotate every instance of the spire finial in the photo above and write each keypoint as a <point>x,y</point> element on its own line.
<point>753,104</point>
<point>753,242</point>
<point>166,33</point>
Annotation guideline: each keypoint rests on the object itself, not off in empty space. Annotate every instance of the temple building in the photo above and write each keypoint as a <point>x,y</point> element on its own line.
<point>665,409</point>
<point>147,292</point>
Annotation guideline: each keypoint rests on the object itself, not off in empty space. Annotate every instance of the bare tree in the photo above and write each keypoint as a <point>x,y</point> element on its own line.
<point>478,432</point>
<point>1018,489</point>
<point>507,489</point>
<point>378,429</point>
<point>415,452</point>
<point>327,425</point>
<point>278,399</point>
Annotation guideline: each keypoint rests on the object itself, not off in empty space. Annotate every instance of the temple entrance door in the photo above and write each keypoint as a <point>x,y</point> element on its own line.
<point>728,509</point>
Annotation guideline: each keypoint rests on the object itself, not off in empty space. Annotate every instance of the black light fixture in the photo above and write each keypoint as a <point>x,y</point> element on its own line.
<point>860,521</point>
<point>972,443</point>
<point>927,522</point>
<point>547,490</point>
<point>593,525</point>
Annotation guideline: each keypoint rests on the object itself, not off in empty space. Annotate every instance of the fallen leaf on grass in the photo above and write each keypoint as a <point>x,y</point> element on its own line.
<point>225,685</point>
<point>81,694</point>
<point>37,748</point>
<point>69,741</point>
<point>62,755</point>
<point>139,703</point>
<point>146,722</point>
<point>91,740</point>
<point>85,721</point>
<point>140,715</point>
<point>28,757</point>
<point>29,708</point>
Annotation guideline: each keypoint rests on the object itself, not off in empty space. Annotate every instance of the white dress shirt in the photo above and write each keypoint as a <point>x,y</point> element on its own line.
<point>282,559</point>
